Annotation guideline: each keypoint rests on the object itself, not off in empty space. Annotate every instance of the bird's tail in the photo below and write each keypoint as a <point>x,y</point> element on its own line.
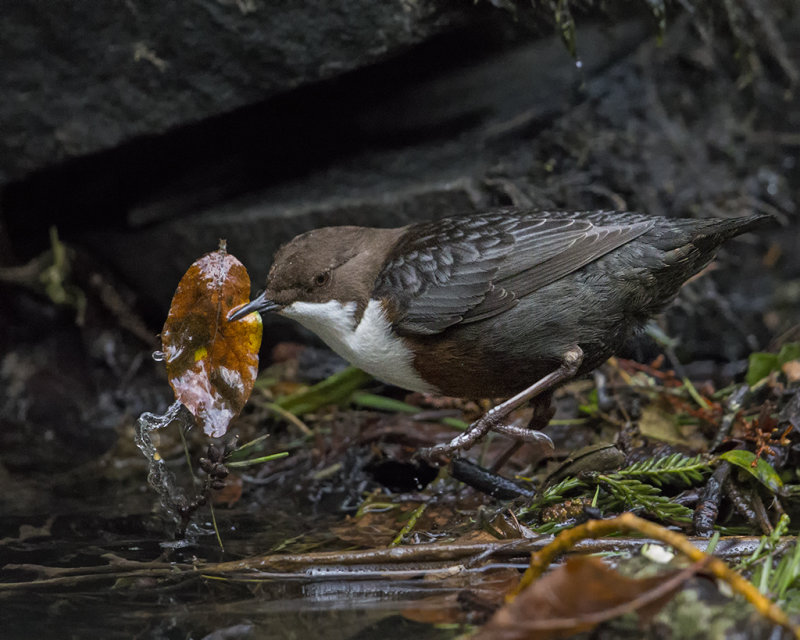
<point>697,242</point>
<point>691,246</point>
<point>709,236</point>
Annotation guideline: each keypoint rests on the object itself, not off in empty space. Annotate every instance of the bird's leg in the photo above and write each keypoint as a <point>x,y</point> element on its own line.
<point>492,419</point>
<point>543,412</point>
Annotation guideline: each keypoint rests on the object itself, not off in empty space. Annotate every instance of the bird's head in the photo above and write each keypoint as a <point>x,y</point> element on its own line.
<point>331,263</point>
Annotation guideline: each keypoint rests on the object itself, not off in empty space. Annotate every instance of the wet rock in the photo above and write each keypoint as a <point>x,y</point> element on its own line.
<point>82,77</point>
<point>427,148</point>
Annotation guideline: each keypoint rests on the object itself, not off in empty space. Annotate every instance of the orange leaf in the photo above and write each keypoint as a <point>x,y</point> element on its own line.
<point>212,363</point>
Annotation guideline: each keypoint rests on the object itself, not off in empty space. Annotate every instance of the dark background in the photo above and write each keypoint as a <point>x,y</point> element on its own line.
<point>142,132</point>
<point>136,133</point>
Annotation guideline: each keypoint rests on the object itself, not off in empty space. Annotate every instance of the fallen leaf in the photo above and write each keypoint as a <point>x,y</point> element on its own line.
<point>659,425</point>
<point>475,597</point>
<point>760,469</point>
<point>231,493</point>
<point>371,529</point>
<point>380,527</point>
<point>576,597</point>
<point>212,363</point>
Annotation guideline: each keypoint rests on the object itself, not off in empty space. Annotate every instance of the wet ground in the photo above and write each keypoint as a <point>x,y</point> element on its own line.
<point>87,549</point>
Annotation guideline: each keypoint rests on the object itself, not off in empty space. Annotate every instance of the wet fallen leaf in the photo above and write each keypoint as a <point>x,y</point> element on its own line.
<point>381,526</point>
<point>231,493</point>
<point>758,467</point>
<point>482,594</point>
<point>371,529</point>
<point>659,425</point>
<point>212,363</point>
<point>576,597</point>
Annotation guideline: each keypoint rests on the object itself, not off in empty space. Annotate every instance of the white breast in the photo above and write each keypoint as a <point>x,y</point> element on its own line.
<point>370,345</point>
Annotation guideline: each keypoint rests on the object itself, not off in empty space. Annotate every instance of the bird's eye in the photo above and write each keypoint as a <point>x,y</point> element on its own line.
<point>322,279</point>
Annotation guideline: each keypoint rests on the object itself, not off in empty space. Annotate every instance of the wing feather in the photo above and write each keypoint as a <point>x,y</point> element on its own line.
<point>466,269</point>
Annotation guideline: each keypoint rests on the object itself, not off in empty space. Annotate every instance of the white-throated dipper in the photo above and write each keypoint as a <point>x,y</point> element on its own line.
<point>506,303</point>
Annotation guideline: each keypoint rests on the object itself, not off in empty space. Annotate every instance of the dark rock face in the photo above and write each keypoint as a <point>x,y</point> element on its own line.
<point>279,119</point>
<point>81,77</point>
<point>382,146</point>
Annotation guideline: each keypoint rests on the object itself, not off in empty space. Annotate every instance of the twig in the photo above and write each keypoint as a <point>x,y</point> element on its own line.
<point>390,561</point>
<point>412,521</point>
<point>628,522</point>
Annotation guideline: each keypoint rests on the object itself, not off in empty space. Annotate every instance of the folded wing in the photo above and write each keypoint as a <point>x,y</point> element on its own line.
<point>465,269</point>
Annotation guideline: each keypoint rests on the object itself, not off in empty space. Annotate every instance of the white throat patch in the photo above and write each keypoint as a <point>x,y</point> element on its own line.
<point>370,345</point>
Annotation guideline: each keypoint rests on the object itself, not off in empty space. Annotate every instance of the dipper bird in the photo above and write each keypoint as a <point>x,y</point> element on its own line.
<point>512,302</point>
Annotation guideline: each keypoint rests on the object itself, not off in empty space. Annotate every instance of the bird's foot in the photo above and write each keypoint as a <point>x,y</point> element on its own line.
<point>492,420</point>
<point>441,454</point>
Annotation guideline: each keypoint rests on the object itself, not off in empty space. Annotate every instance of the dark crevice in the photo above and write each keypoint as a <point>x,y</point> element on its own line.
<point>283,138</point>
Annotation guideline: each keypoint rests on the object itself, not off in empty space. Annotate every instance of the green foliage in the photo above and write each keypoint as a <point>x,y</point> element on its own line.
<point>672,469</point>
<point>780,581</point>
<point>659,10</point>
<point>552,528</point>
<point>337,388</point>
<point>766,545</point>
<point>636,486</point>
<point>754,28</point>
<point>592,407</point>
<point>760,469</point>
<point>695,394</point>
<point>382,403</point>
<point>259,460</point>
<point>561,11</point>
<point>761,364</point>
<point>629,493</point>
<point>566,26</point>
<point>785,576</point>
<point>253,446</point>
<point>55,278</point>
<point>553,495</point>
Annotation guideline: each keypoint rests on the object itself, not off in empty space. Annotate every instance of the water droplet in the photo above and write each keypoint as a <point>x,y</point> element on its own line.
<point>159,356</point>
<point>579,64</point>
<point>159,476</point>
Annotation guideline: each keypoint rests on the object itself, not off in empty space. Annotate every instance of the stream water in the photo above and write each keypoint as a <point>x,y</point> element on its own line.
<point>66,538</point>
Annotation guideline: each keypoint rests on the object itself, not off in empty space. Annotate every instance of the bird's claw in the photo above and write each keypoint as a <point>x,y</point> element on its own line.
<point>523,433</point>
<point>438,455</point>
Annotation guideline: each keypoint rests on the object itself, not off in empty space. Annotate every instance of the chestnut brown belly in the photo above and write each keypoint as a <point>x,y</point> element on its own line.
<point>487,360</point>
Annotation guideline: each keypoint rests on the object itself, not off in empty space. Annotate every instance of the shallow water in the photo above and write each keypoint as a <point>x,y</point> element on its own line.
<point>118,525</point>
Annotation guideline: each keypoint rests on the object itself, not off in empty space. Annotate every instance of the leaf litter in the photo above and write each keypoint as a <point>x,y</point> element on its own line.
<point>644,474</point>
<point>586,590</point>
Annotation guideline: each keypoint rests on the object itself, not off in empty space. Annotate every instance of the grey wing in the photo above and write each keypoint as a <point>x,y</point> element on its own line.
<point>465,269</point>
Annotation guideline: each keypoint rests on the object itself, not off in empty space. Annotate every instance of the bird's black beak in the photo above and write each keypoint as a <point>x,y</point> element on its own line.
<point>260,304</point>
